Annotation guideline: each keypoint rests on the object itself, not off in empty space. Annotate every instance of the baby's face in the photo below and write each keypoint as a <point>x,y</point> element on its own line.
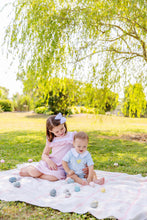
<point>80,145</point>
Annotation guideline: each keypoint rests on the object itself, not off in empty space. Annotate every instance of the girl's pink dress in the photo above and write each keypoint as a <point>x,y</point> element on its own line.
<point>60,146</point>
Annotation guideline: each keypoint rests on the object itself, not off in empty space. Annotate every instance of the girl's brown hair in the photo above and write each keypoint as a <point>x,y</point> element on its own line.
<point>51,122</point>
<point>81,135</point>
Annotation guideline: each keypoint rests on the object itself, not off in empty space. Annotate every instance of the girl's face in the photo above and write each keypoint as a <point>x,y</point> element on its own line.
<point>59,131</point>
<point>80,145</point>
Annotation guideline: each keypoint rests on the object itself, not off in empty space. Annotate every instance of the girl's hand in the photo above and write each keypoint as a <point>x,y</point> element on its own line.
<point>86,171</point>
<point>52,165</point>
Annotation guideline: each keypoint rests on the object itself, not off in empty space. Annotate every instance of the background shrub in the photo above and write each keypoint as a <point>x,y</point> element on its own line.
<point>41,110</point>
<point>1,110</point>
<point>6,105</point>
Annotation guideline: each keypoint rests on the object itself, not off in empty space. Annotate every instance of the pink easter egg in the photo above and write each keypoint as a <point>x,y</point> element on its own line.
<point>2,161</point>
<point>30,160</point>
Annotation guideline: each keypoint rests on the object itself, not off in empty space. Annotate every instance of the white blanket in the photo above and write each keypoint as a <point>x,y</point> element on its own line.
<point>125,196</point>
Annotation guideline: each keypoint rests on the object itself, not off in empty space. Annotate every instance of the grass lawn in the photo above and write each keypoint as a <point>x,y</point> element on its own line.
<point>112,140</point>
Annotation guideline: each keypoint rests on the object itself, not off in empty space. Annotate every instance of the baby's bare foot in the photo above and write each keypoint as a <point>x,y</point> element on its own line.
<point>100,181</point>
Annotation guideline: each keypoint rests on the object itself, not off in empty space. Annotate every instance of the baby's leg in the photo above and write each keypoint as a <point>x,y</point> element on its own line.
<point>30,171</point>
<point>78,180</point>
<point>100,181</point>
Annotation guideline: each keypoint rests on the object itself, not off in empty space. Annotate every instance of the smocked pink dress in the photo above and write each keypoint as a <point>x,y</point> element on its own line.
<point>60,146</point>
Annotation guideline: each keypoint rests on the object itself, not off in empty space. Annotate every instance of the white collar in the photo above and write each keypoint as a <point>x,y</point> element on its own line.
<point>74,152</point>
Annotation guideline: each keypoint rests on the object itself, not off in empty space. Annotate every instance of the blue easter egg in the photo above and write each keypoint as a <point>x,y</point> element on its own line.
<point>12,179</point>
<point>17,184</point>
<point>53,193</point>
<point>77,188</point>
<point>70,180</point>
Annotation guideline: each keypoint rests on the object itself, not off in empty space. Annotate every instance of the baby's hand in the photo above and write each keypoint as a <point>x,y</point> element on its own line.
<point>52,165</point>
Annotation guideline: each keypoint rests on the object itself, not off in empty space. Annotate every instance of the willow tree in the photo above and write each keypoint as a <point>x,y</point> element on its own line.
<point>88,38</point>
<point>134,101</point>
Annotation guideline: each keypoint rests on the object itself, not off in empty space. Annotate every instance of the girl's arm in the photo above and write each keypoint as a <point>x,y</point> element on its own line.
<point>45,157</point>
<point>90,174</point>
<point>66,168</point>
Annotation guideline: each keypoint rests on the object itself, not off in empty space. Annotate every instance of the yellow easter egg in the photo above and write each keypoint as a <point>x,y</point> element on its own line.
<point>103,190</point>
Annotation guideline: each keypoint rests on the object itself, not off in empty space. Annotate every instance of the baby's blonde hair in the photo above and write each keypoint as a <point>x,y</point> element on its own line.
<point>81,135</point>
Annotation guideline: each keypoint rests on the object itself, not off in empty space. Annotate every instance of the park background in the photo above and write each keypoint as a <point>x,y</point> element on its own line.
<point>86,59</point>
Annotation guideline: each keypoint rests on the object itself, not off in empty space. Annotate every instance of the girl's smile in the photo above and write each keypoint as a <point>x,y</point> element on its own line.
<point>59,130</point>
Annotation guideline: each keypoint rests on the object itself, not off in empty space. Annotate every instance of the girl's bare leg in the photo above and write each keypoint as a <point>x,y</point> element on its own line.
<point>30,171</point>
<point>33,172</point>
<point>48,177</point>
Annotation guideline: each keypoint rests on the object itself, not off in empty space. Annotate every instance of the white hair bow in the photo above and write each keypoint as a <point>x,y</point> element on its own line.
<point>61,118</point>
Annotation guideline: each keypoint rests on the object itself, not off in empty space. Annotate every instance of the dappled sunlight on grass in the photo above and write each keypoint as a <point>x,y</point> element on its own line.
<point>19,146</point>
<point>20,121</point>
<point>104,124</point>
<point>107,125</point>
<point>130,156</point>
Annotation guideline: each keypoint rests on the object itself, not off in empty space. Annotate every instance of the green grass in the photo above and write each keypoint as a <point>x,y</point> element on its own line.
<point>22,136</point>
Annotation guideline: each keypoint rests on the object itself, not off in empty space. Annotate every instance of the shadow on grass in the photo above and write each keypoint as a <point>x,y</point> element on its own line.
<point>37,116</point>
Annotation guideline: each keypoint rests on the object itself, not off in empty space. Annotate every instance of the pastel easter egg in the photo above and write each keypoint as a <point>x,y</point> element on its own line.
<point>77,188</point>
<point>53,193</point>
<point>116,164</point>
<point>12,179</point>
<point>103,190</point>
<point>2,161</point>
<point>17,184</point>
<point>30,160</point>
<point>67,195</point>
<point>94,204</point>
<point>66,191</point>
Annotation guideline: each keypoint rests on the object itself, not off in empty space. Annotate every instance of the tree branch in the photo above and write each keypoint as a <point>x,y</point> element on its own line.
<point>142,44</point>
<point>111,50</point>
<point>133,22</point>
<point>133,35</point>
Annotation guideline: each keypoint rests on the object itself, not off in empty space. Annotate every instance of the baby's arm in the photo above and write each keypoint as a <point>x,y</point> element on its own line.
<point>72,174</point>
<point>45,157</point>
<point>90,174</point>
<point>66,168</point>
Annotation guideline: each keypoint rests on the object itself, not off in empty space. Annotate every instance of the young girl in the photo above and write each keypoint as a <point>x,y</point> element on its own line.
<point>76,159</point>
<point>59,141</point>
